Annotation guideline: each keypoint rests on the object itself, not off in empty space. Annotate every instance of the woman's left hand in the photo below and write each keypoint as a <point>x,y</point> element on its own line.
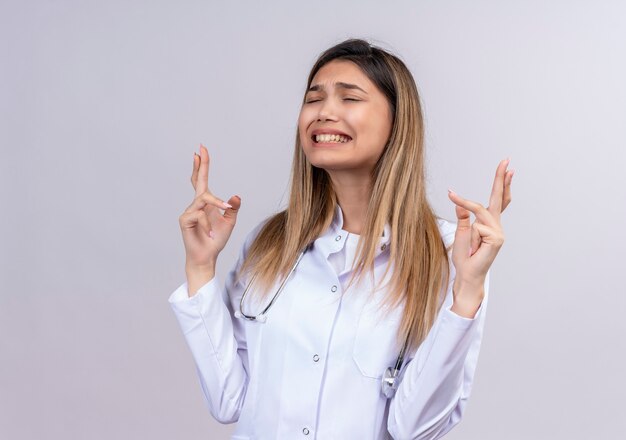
<point>477,244</point>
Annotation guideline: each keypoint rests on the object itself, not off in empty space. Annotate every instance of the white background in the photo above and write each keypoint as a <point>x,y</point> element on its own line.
<point>103,103</point>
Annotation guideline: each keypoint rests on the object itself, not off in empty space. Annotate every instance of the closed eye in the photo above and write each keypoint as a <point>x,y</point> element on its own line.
<point>345,99</point>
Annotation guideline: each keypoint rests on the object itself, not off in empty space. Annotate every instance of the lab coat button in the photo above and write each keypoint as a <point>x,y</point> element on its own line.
<point>305,431</point>
<point>333,289</point>
<point>337,238</point>
<point>383,247</point>
<point>316,357</point>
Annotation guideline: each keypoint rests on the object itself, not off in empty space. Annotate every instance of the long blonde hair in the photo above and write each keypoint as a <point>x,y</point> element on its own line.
<point>398,197</point>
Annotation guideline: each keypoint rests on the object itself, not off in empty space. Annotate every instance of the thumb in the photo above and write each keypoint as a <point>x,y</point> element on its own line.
<point>463,217</point>
<point>463,235</point>
<point>230,214</point>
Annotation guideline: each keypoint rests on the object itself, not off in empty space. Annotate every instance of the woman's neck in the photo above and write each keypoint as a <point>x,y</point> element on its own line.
<point>353,195</point>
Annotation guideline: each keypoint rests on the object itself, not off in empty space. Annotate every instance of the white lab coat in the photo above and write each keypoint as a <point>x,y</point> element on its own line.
<point>314,368</point>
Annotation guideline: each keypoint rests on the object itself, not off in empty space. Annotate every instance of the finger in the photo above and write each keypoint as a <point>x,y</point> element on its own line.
<point>202,183</point>
<point>506,198</point>
<point>490,236</point>
<point>230,214</point>
<point>197,220</point>
<point>205,199</point>
<point>191,220</point>
<point>194,171</point>
<point>476,240</point>
<point>482,214</point>
<point>462,236</point>
<point>497,190</point>
<point>204,223</point>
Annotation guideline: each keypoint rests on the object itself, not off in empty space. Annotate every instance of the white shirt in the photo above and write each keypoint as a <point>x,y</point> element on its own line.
<point>314,368</point>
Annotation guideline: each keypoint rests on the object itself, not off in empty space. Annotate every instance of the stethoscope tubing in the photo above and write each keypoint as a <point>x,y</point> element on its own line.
<point>269,306</point>
<point>388,383</point>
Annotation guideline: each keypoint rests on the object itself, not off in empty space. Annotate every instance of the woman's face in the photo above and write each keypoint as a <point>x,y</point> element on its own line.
<point>343,101</point>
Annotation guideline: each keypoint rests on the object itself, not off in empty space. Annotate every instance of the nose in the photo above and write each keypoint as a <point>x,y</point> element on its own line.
<point>327,111</point>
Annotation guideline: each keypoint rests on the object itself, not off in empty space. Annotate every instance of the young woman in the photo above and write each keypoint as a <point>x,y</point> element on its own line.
<point>355,313</point>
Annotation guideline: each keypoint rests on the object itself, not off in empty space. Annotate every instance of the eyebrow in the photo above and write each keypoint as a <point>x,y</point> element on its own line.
<point>341,85</point>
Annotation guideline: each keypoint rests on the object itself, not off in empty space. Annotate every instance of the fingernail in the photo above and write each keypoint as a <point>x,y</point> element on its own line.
<point>238,197</point>
<point>211,234</point>
<point>450,191</point>
<point>227,205</point>
<point>470,252</point>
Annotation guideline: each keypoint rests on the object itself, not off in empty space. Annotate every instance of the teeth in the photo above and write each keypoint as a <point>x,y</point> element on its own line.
<point>331,138</point>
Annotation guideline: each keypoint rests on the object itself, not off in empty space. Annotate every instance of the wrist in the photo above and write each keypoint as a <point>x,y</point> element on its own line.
<point>198,276</point>
<point>469,287</point>
<point>200,268</point>
<point>467,298</point>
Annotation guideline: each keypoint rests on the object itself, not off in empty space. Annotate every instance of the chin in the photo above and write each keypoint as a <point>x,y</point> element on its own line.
<point>330,165</point>
<point>322,159</point>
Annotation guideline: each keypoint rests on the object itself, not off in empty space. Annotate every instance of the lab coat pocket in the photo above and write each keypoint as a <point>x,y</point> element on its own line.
<point>375,343</point>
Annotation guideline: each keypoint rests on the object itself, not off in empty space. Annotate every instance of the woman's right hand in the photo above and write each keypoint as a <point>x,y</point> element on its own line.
<point>205,229</point>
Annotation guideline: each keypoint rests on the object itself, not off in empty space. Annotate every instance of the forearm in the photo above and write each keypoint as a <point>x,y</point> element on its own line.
<point>437,382</point>
<point>432,385</point>
<point>208,329</point>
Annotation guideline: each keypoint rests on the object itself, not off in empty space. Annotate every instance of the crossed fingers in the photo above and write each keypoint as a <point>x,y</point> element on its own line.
<point>487,228</point>
<point>200,182</point>
<point>499,199</point>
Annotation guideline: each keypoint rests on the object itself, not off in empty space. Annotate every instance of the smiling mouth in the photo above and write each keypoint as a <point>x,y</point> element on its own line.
<point>330,139</point>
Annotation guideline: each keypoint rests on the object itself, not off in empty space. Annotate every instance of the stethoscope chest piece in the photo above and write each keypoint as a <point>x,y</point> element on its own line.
<point>262,318</point>
<point>389,384</point>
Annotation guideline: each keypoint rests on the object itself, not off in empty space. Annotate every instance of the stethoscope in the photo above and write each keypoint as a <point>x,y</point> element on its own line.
<point>388,383</point>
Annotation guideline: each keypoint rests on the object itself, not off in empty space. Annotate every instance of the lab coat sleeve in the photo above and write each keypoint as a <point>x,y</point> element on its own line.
<point>436,383</point>
<point>216,340</point>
